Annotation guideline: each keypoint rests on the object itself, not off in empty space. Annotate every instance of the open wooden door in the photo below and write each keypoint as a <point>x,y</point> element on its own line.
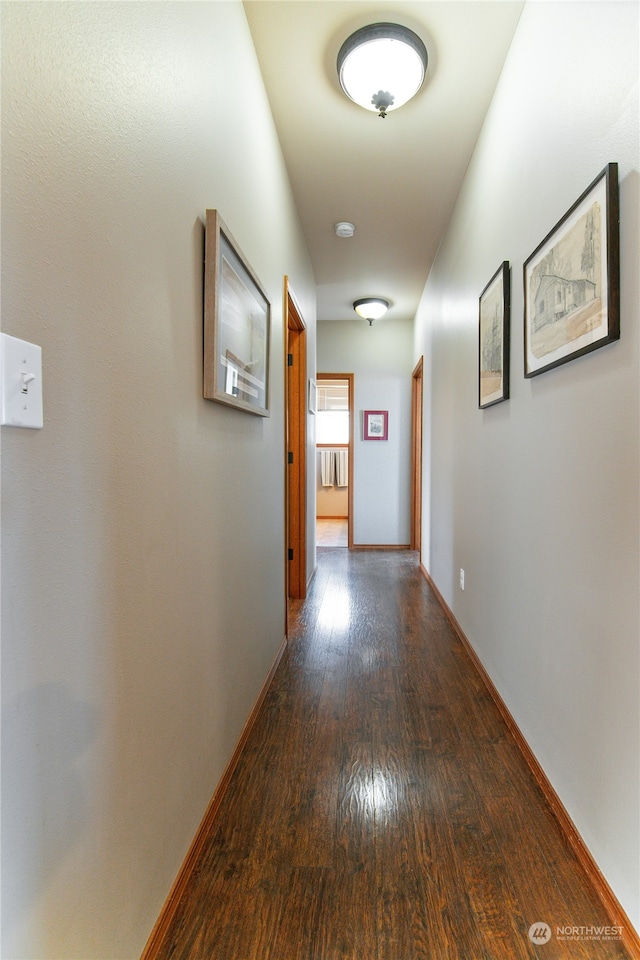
<point>416,456</point>
<point>295,448</point>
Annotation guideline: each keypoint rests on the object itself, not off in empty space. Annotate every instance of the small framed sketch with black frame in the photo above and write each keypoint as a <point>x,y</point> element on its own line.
<point>494,327</point>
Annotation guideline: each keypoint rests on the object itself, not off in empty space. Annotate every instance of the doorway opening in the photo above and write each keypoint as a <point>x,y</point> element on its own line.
<point>334,460</point>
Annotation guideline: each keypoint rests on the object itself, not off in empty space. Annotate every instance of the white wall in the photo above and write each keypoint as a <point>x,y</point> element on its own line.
<point>380,358</point>
<point>537,498</point>
<point>142,528</point>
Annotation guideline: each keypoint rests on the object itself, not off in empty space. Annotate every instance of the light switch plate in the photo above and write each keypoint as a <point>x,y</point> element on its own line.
<point>20,383</point>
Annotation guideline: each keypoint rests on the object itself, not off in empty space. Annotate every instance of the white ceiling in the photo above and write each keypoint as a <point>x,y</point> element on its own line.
<point>396,178</point>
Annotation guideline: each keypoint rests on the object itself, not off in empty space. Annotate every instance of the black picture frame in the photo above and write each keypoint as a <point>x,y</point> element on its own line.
<point>572,280</point>
<point>494,340</point>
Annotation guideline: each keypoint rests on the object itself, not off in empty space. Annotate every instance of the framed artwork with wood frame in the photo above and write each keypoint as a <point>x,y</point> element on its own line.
<point>494,327</point>
<point>572,281</point>
<point>237,316</point>
<point>376,425</point>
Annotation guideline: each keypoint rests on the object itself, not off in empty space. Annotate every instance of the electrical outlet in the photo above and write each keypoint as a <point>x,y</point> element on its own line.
<point>461,578</point>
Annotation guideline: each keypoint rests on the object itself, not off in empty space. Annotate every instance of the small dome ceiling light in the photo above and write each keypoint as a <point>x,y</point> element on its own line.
<point>382,66</point>
<point>345,229</point>
<point>371,308</point>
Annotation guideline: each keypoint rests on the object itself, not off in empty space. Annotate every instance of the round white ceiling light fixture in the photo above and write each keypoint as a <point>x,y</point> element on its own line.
<point>344,229</point>
<point>382,66</point>
<point>371,308</point>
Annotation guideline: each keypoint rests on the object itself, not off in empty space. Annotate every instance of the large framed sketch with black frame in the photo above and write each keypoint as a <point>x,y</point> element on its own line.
<point>572,281</point>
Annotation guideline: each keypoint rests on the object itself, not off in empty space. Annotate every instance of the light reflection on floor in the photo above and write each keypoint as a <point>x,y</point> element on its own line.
<point>335,610</point>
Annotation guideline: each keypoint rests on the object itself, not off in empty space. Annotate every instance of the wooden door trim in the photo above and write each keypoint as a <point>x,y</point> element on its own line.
<point>295,385</point>
<point>417,401</point>
<point>351,379</point>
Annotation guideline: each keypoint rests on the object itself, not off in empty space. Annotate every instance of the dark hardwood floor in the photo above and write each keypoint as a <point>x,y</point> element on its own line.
<point>380,809</point>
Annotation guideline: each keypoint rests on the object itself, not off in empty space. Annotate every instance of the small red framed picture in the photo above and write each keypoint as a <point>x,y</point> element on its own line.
<point>376,425</point>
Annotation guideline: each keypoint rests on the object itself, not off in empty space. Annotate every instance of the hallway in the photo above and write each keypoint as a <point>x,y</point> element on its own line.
<point>380,810</point>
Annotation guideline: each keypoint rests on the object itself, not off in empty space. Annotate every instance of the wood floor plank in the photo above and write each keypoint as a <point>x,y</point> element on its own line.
<point>451,920</point>
<point>311,824</point>
<point>488,884</point>
<point>381,809</point>
<point>355,809</point>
